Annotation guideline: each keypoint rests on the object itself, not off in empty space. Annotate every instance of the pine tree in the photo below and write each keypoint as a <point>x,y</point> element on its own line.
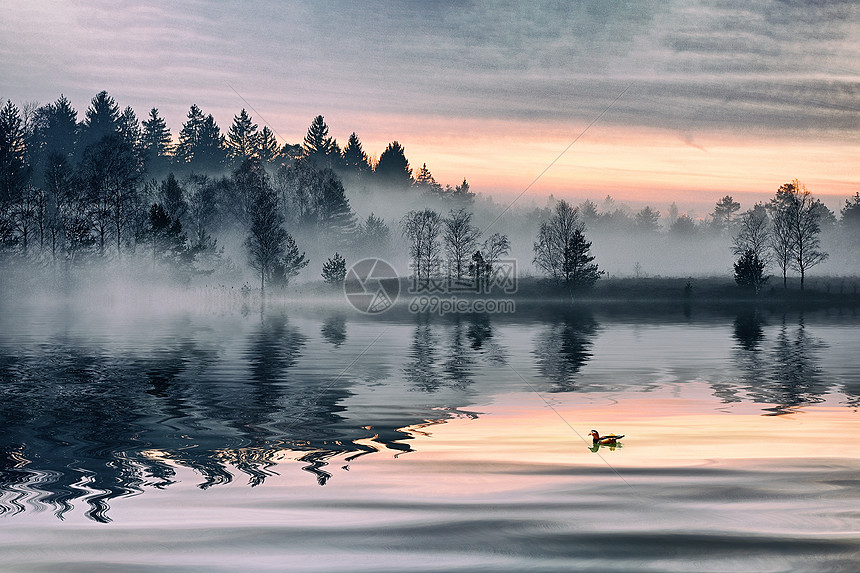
<point>267,239</point>
<point>266,146</point>
<point>241,138</point>
<point>562,250</point>
<point>426,183</point>
<point>354,157</point>
<point>59,127</point>
<point>14,170</point>
<point>317,144</point>
<point>749,271</point>
<point>333,210</point>
<point>102,119</point>
<point>155,144</point>
<point>393,168</point>
<point>334,270</point>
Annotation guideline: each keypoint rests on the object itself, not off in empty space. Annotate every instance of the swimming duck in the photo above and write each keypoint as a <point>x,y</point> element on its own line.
<point>598,439</point>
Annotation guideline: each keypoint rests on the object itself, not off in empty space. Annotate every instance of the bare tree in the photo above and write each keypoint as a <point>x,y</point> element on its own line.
<point>796,229</point>
<point>422,229</point>
<point>753,234</point>
<point>461,239</point>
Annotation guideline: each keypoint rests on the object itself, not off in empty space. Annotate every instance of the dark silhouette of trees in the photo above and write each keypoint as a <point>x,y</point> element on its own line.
<point>422,228</point>
<point>101,120</point>
<point>242,138</point>
<point>156,145</point>
<point>749,271</point>
<point>562,250</point>
<point>392,169</point>
<point>354,157</point>
<point>796,229</point>
<point>318,146</point>
<point>851,214</point>
<point>164,234</point>
<point>290,264</point>
<point>109,171</point>
<point>334,270</point>
<point>266,146</point>
<point>461,239</point>
<point>14,170</point>
<point>201,145</point>
<point>267,239</point>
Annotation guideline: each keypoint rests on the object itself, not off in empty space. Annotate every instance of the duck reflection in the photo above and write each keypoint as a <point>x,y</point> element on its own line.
<point>564,347</point>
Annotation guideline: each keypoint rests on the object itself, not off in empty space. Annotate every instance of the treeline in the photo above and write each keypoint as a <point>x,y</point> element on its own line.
<point>109,187</point>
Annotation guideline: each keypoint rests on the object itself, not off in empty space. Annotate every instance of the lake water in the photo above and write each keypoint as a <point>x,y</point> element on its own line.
<point>304,439</point>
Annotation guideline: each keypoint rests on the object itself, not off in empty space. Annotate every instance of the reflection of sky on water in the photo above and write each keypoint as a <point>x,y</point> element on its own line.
<point>93,414</point>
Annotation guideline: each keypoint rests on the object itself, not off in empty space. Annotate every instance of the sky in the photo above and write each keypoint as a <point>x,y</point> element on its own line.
<point>651,102</point>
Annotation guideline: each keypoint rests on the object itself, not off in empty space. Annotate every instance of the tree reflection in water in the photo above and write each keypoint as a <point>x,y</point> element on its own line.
<point>564,347</point>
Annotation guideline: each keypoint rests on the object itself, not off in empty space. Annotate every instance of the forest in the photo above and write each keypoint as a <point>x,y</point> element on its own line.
<point>240,208</point>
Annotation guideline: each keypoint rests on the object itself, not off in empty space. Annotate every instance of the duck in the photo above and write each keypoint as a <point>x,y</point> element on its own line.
<point>611,439</point>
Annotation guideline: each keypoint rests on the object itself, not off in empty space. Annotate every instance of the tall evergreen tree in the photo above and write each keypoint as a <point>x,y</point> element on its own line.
<point>426,183</point>
<point>102,120</point>
<point>241,138</point>
<point>14,170</point>
<point>189,136</point>
<point>393,169</point>
<point>266,146</point>
<point>317,144</point>
<point>354,158</point>
<point>156,144</point>
<point>58,128</point>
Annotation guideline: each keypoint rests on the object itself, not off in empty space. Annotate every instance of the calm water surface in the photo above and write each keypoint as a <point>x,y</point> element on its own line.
<point>295,439</point>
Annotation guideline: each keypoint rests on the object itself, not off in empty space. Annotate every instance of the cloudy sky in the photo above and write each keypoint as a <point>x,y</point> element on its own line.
<point>693,100</point>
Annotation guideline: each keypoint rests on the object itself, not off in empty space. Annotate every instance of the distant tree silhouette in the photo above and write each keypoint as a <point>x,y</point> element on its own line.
<point>851,214</point>
<point>647,220</point>
<point>562,250</point>
<point>461,239</point>
<point>749,271</point>
<point>374,235</point>
<point>724,211</point>
<point>426,183</point>
<point>684,226</point>
<point>392,169</point>
<point>334,270</point>
<point>461,195</point>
